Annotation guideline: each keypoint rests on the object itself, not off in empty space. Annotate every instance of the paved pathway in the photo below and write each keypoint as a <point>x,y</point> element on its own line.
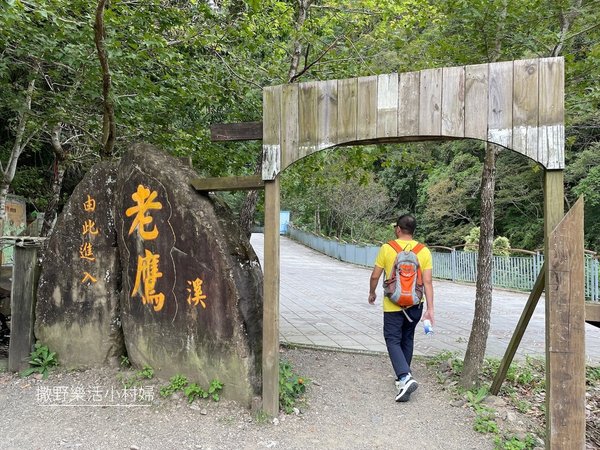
<point>323,302</point>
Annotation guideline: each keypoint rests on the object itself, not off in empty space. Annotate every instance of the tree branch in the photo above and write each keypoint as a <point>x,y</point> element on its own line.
<point>567,20</point>
<point>59,151</point>
<point>18,146</point>
<point>323,53</point>
<point>109,128</point>
<point>233,72</point>
<point>303,6</point>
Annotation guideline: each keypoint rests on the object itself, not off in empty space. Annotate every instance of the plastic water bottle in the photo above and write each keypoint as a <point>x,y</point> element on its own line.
<point>427,328</point>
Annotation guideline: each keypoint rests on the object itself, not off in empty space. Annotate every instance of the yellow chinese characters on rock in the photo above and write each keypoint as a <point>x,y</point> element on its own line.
<point>145,202</point>
<point>89,205</point>
<point>86,250</point>
<point>88,277</point>
<point>195,293</point>
<point>147,272</point>
<point>89,227</point>
<point>146,277</point>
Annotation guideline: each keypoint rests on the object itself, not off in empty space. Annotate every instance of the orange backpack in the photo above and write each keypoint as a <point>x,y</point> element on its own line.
<point>404,287</point>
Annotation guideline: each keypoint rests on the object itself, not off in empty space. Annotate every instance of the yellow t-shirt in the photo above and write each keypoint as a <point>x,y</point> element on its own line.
<point>386,257</point>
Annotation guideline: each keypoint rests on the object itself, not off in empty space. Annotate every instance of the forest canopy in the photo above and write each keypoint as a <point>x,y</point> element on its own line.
<point>179,66</point>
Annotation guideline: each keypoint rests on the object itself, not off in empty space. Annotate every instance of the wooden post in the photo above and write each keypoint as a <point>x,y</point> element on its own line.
<point>515,340</point>
<point>270,353</point>
<point>22,303</point>
<point>565,315</point>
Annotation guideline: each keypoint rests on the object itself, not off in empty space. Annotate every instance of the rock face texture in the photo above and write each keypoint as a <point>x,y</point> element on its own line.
<point>78,299</point>
<point>190,284</point>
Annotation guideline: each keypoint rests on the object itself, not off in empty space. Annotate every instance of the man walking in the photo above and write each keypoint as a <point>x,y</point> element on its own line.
<point>399,323</point>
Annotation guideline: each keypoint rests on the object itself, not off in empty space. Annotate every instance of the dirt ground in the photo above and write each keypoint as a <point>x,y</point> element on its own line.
<point>349,404</point>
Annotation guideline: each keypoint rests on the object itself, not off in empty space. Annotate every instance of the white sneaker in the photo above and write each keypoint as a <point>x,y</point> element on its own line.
<point>400,383</point>
<point>407,387</point>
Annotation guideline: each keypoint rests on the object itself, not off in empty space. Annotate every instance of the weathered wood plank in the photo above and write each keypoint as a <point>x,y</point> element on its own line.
<point>476,101</point>
<point>327,114</point>
<point>307,118</point>
<point>500,106</point>
<point>228,183</point>
<point>22,305</point>
<point>387,105</point>
<point>347,109</point>
<point>430,103</point>
<point>408,103</point>
<point>515,340</point>
<point>271,164</point>
<point>525,107</point>
<point>243,131</point>
<point>551,113</point>
<point>289,125</point>
<point>270,352</point>
<point>566,333</point>
<point>453,101</point>
<point>366,126</point>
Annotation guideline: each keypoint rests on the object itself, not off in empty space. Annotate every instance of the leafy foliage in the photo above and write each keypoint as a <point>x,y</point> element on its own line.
<point>178,67</point>
<point>192,391</point>
<point>176,383</point>
<point>41,361</point>
<point>291,387</point>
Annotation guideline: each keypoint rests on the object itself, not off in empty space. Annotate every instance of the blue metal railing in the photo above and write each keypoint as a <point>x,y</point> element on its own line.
<point>510,272</point>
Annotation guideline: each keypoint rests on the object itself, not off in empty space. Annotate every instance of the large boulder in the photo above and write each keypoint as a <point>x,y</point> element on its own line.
<point>191,283</point>
<point>77,312</point>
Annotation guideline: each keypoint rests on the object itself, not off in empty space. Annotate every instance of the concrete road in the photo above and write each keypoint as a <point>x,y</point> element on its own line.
<point>323,302</point>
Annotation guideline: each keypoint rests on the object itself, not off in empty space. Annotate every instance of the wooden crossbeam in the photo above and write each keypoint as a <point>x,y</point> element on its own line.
<point>228,183</point>
<point>242,131</point>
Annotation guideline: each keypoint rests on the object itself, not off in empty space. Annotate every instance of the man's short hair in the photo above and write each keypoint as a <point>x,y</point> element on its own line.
<point>407,223</point>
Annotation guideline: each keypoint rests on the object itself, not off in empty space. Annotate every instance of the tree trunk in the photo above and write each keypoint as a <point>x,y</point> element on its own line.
<point>109,128</point>
<point>60,156</point>
<point>52,209</point>
<point>483,298</point>
<point>249,205</point>
<point>483,303</point>
<point>8,172</point>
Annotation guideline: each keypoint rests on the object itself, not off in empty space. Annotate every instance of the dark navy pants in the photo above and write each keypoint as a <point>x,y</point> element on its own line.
<point>399,334</point>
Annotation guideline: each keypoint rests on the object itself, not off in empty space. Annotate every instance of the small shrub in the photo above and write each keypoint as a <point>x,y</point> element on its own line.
<point>192,391</point>
<point>485,422</point>
<point>176,383</point>
<point>291,387</point>
<point>501,246</point>
<point>147,372</point>
<point>136,380</point>
<point>41,361</point>
<point>213,390</point>
<point>514,443</point>
<point>592,375</point>
<point>475,397</point>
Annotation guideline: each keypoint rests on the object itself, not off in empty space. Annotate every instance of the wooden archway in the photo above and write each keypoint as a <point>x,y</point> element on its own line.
<point>517,104</point>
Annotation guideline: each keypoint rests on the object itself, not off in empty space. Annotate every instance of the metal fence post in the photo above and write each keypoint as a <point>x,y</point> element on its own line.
<point>453,263</point>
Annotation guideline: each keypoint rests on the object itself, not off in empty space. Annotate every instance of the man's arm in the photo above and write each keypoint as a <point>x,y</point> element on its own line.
<point>428,284</point>
<point>377,271</point>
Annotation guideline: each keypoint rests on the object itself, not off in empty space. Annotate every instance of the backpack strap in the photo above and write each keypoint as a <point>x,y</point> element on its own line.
<point>395,246</point>
<point>416,249</point>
